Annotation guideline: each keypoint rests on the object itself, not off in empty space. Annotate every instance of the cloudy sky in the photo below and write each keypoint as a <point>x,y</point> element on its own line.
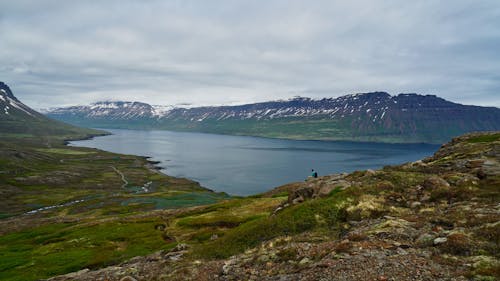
<point>55,53</point>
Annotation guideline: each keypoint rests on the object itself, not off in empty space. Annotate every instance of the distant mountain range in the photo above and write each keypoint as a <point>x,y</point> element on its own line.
<point>375,116</point>
<point>17,119</point>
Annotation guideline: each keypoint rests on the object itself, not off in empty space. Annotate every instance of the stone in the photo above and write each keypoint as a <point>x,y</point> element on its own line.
<point>370,172</point>
<point>425,240</point>
<point>435,182</point>
<point>401,252</point>
<point>304,261</point>
<point>440,240</point>
<point>426,197</point>
<point>298,200</point>
<point>180,247</point>
<point>76,274</point>
<point>475,163</point>
<point>415,204</point>
<point>301,194</point>
<point>263,258</point>
<point>128,278</point>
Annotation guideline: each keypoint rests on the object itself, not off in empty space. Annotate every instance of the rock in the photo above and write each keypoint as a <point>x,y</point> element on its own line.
<point>128,278</point>
<point>300,195</point>
<point>425,240</point>
<point>435,182</point>
<point>370,172</point>
<point>263,258</point>
<point>440,240</point>
<point>424,254</point>
<point>398,229</point>
<point>401,252</point>
<point>475,163</point>
<point>481,174</point>
<point>415,204</point>
<point>298,200</point>
<point>425,197</point>
<point>180,247</point>
<point>304,261</point>
<point>325,190</point>
<point>76,274</point>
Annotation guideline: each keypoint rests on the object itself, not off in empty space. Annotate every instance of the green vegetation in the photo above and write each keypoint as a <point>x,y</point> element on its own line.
<point>60,248</point>
<point>323,214</point>
<point>64,151</point>
<point>106,222</point>
<point>67,208</point>
<point>484,138</point>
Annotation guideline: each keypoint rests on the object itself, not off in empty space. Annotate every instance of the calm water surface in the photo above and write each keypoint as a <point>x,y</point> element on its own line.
<point>248,165</point>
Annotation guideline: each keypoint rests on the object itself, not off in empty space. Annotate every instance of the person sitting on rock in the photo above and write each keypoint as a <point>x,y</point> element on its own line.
<point>314,174</point>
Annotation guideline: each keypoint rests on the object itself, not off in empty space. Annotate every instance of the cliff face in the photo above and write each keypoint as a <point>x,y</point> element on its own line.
<point>434,219</point>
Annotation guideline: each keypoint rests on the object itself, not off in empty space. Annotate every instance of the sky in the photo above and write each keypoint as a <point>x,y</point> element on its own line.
<point>60,53</point>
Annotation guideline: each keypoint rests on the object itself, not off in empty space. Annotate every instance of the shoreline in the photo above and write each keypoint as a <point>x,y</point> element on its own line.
<point>151,165</point>
<point>346,140</point>
<point>254,186</point>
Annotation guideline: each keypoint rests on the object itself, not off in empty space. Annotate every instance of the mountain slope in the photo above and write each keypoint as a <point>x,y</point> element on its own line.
<point>17,118</point>
<point>375,116</point>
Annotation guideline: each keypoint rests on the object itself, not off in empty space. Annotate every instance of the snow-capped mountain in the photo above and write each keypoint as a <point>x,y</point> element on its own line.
<point>374,105</point>
<point>16,118</point>
<point>114,110</point>
<point>12,108</point>
<point>366,116</point>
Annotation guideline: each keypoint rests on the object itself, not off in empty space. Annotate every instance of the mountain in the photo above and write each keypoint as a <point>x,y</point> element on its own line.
<point>375,116</point>
<point>17,119</point>
<point>109,114</point>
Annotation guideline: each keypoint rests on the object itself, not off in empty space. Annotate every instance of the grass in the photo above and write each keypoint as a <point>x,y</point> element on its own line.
<point>60,248</point>
<point>104,229</point>
<point>314,214</point>
<point>65,151</point>
<point>484,138</point>
<point>179,200</point>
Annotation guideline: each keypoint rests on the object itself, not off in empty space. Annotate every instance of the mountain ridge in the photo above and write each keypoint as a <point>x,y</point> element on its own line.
<point>374,116</point>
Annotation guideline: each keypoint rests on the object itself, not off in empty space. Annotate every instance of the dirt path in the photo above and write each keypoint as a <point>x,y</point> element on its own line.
<point>125,182</point>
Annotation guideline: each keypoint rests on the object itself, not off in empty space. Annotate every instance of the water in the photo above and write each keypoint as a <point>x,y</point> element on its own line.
<point>242,165</point>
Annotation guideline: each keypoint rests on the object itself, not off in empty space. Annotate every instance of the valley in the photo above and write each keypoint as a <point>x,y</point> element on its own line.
<point>62,193</point>
<point>75,213</point>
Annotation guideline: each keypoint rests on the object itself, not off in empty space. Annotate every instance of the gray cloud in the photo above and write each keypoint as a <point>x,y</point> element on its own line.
<point>56,53</point>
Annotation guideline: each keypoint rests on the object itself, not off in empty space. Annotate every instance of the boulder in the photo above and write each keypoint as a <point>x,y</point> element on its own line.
<point>425,240</point>
<point>435,182</point>
<point>300,195</point>
<point>325,190</point>
<point>440,240</point>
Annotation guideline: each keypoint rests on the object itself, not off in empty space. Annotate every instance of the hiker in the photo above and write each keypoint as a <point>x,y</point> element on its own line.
<point>314,174</point>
